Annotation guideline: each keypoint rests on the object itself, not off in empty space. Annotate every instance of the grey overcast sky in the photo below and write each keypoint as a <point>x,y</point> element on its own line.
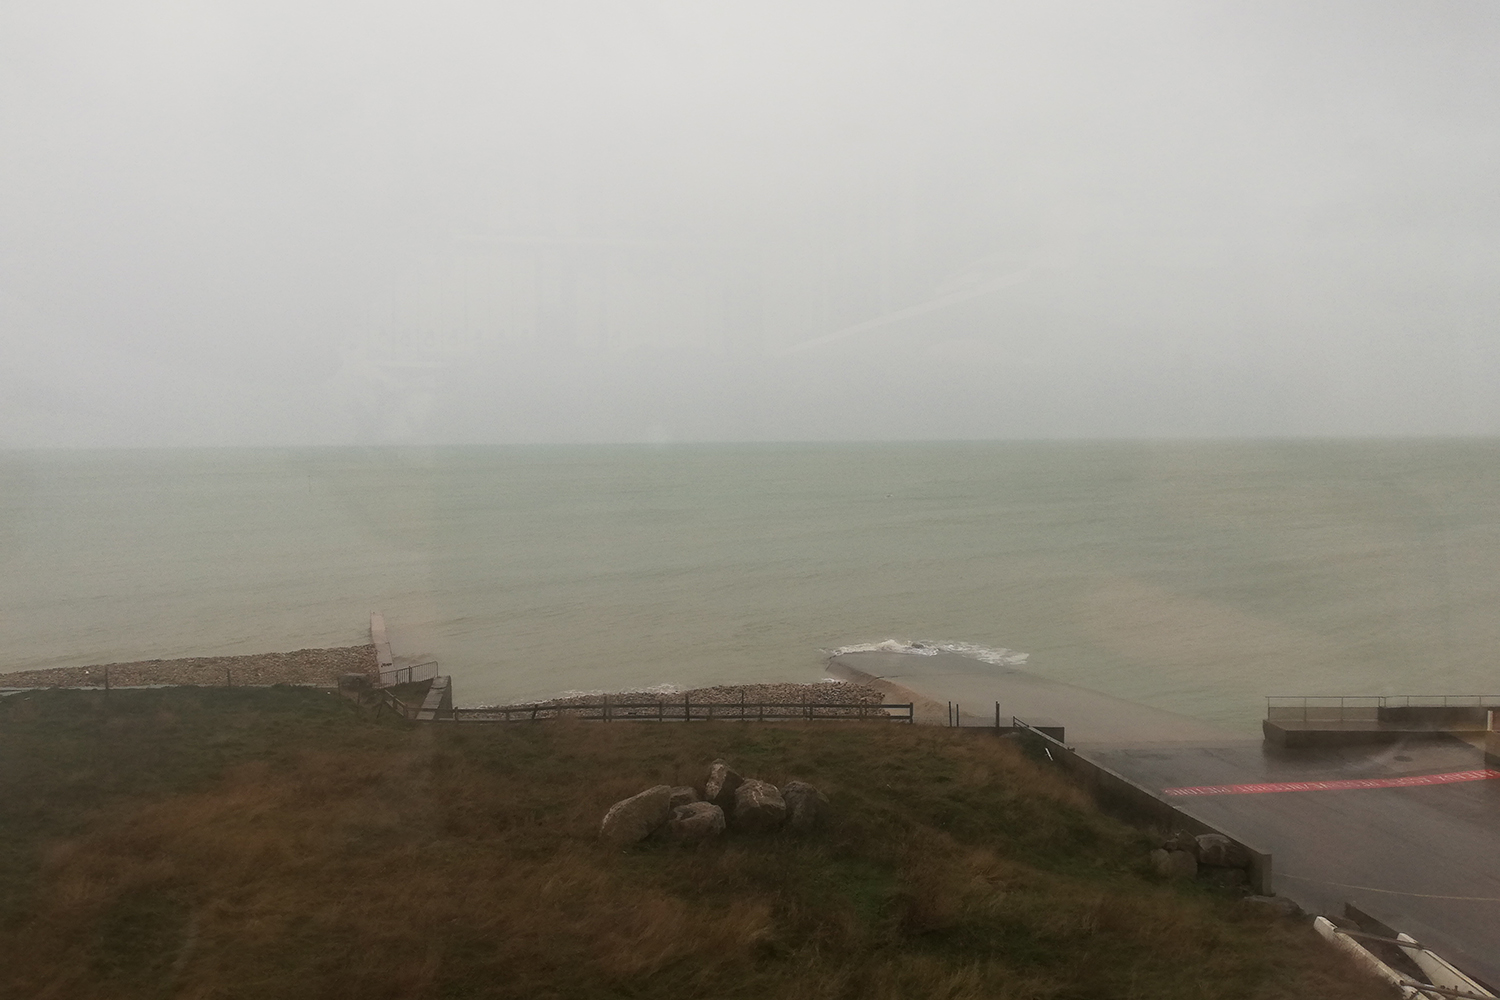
<point>308,223</point>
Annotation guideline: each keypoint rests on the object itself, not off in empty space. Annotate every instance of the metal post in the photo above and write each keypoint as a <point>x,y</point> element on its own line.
<point>659,703</point>
<point>687,710</point>
<point>997,715</point>
<point>606,708</point>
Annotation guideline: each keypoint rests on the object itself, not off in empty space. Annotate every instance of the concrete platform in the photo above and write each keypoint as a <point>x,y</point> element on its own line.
<point>1334,733</point>
<point>1422,859</point>
<point>977,686</point>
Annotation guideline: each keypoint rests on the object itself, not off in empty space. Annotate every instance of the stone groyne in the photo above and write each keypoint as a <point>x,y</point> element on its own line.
<point>317,667</point>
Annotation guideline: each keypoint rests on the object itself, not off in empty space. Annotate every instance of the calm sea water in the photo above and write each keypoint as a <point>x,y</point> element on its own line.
<point>1196,577</point>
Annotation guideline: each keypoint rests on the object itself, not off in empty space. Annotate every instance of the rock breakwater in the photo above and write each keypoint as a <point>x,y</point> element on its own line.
<point>318,667</point>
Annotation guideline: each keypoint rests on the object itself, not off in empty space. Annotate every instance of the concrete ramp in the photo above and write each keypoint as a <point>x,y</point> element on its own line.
<point>439,700</point>
<point>382,645</point>
<point>976,687</point>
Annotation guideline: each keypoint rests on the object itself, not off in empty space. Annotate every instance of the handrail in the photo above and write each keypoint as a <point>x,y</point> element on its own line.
<point>392,676</point>
<point>1339,707</point>
<point>1018,724</point>
<point>401,708</point>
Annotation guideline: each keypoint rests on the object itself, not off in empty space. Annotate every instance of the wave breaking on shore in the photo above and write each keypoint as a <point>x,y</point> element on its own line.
<point>985,654</point>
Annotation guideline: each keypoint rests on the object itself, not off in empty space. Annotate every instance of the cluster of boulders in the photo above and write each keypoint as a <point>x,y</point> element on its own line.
<point>1209,856</point>
<point>724,801</point>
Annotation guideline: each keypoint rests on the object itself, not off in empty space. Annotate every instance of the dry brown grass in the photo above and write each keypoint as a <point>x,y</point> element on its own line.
<point>346,859</point>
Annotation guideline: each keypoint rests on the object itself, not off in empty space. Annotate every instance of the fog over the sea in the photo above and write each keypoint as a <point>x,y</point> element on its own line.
<point>315,223</point>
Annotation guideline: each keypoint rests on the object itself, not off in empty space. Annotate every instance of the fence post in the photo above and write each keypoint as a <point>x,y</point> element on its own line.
<point>687,708</point>
<point>997,716</point>
<point>659,703</point>
<point>606,708</point>
<point>950,715</point>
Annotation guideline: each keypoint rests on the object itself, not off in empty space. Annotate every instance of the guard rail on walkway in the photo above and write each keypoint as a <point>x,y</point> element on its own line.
<point>391,676</point>
<point>1365,708</point>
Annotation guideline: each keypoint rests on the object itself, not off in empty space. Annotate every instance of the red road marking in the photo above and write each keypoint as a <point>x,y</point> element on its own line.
<point>1332,786</point>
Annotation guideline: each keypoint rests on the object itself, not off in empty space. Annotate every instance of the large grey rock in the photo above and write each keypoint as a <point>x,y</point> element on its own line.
<point>695,821</point>
<point>758,806</point>
<point>1221,852</point>
<point>633,819</point>
<point>805,805</point>
<point>1174,864</point>
<point>1276,904</point>
<point>1181,841</point>
<point>682,795</point>
<point>721,785</point>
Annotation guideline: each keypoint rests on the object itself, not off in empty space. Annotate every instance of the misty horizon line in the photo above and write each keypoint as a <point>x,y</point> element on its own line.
<point>1309,439</point>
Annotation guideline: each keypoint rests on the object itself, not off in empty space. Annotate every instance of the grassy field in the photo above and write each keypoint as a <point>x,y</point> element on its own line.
<point>279,843</point>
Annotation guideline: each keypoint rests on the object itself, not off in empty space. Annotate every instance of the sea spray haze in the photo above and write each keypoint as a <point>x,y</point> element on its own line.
<point>290,223</point>
<point>1197,577</point>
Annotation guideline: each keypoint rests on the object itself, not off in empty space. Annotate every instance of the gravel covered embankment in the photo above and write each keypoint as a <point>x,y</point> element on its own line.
<point>731,696</point>
<point>320,667</point>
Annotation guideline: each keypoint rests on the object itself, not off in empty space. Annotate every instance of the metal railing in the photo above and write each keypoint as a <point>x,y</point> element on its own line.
<point>392,676</point>
<point>1364,708</point>
<point>396,705</point>
<point>1031,731</point>
<point>1441,701</point>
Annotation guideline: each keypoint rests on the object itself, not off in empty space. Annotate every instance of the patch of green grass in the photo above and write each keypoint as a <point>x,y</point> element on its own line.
<point>282,843</point>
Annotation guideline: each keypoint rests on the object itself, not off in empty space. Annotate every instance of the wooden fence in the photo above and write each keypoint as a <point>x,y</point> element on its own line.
<point>669,711</point>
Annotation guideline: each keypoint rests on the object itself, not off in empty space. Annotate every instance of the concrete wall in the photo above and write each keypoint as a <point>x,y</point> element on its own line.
<point>1136,804</point>
<point>1465,717</point>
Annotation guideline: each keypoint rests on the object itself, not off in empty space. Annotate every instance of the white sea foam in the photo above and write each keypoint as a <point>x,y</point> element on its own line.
<point>974,651</point>
<point>658,689</point>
